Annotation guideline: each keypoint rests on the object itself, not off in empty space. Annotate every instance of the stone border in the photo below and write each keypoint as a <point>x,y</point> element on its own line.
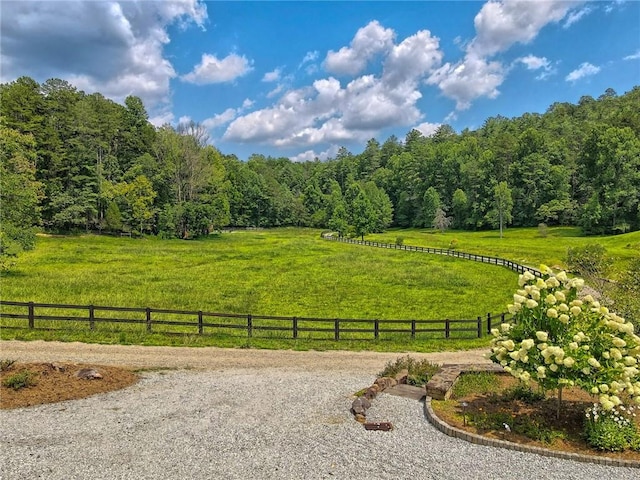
<point>490,442</point>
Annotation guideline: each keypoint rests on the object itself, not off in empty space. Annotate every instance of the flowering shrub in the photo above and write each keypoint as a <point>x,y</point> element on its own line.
<point>612,430</point>
<point>558,339</point>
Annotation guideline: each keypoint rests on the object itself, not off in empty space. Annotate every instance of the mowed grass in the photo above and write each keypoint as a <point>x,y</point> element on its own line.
<point>284,272</point>
<point>522,245</point>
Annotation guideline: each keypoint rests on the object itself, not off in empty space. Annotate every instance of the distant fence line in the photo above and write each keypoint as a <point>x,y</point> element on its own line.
<point>516,267</point>
<point>246,325</point>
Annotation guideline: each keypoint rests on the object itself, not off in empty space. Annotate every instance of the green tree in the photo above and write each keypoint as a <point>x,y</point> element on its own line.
<point>500,215</point>
<point>430,205</point>
<point>19,195</point>
<point>363,216</point>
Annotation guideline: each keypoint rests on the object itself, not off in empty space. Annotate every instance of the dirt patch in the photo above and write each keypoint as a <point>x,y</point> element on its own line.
<point>56,382</point>
<point>574,403</point>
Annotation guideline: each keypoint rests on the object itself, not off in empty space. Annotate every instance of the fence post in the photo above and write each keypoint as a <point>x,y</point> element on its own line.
<point>249,325</point>
<point>200,326</point>
<point>376,329</point>
<point>92,318</point>
<point>295,328</point>
<point>447,328</point>
<point>488,324</point>
<point>31,315</point>
<point>413,329</point>
<point>480,326</point>
<point>148,311</point>
<point>336,329</point>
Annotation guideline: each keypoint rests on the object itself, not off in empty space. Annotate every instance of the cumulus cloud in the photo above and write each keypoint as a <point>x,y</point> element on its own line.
<point>272,76</point>
<point>368,42</point>
<point>212,69</point>
<point>428,129</point>
<point>220,119</point>
<point>310,155</point>
<point>331,112</point>
<point>112,47</point>
<point>469,79</point>
<point>499,25</point>
<point>584,70</point>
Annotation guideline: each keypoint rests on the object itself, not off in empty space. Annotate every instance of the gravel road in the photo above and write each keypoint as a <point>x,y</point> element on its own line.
<point>240,414</point>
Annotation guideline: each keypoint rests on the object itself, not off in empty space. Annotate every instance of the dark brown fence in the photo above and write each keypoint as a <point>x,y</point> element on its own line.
<point>51,316</point>
<point>516,267</point>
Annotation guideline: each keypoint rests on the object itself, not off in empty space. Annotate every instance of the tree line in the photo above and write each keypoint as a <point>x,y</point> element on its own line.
<point>74,161</point>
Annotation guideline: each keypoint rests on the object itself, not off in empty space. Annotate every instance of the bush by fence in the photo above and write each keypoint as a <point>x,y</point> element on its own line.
<point>151,320</point>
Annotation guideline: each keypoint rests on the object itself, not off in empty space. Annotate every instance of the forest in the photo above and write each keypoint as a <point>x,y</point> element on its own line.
<point>72,161</point>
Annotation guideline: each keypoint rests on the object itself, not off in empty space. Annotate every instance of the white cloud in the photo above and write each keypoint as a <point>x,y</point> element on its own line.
<point>576,16</point>
<point>368,42</point>
<point>469,79</point>
<point>330,112</point>
<point>211,69</point>
<point>272,76</point>
<point>414,57</point>
<point>310,155</point>
<point>115,48</point>
<point>501,24</point>
<point>585,70</point>
<point>310,57</point>
<point>538,63</point>
<point>247,103</point>
<point>427,129</point>
<point>634,56</point>
<point>220,119</point>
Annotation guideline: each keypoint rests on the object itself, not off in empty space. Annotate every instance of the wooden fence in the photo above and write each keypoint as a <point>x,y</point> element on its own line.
<point>51,316</point>
<point>516,267</point>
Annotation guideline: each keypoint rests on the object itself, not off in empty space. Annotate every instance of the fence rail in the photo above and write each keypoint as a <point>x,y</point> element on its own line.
<point>151,320</point>
<point>516,267</point>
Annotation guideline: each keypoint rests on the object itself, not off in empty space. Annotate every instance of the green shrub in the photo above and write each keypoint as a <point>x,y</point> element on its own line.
<point>611,430</point>
<point>524,393</point>
<point>20,380</point>
<point>399,241</point>
<point>419,371</point>
<point>6,364</point>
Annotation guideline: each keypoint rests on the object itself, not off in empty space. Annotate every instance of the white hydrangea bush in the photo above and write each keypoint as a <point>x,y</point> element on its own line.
<point>558,338</point>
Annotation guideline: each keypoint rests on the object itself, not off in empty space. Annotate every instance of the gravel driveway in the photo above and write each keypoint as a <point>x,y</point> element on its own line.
<point>285,420</point>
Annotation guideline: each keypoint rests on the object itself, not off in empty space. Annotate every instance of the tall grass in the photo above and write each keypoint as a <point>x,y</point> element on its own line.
<point>286,272</point>
<point>522,245</point>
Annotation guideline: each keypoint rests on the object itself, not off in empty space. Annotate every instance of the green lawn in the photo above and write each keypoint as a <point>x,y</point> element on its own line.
<point>285,272</point>
<point>522,245</point>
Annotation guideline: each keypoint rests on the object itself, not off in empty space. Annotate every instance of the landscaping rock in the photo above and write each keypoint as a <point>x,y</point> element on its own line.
<point>88,374</point>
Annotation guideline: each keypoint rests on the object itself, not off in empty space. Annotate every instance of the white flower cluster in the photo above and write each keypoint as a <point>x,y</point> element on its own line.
<point>619,414</point>
<point>559,339</point>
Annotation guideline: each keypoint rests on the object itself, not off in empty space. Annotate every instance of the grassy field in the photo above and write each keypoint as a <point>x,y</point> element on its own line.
<point>522,245</point>
<point>284,272</point>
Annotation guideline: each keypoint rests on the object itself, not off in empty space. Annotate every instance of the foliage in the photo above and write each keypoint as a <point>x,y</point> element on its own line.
<point>611,430</point>
<point>572,165</point>
<point>419,371</point>
<point>590,261</point>
<point>19,195</point>
<point>524,393</point>
<point>557,339</point>
<point>6,364</point>
<point>20,380</point>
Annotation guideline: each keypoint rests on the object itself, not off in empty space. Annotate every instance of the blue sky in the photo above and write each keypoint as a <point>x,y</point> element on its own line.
<point>301,79</point>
